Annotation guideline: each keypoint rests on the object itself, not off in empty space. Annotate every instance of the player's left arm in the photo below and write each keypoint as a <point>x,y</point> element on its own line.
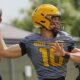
<point>75,55</point>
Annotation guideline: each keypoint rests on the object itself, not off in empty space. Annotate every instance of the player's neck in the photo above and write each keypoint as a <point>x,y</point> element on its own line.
<point>46,34</point>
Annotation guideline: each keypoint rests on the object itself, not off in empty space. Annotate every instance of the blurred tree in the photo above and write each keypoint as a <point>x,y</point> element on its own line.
<point>70,16</point>
<point>76,29</point>
<point>76,4</point>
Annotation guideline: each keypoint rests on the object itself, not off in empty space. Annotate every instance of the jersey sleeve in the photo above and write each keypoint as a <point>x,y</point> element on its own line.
<point>71,43</point>
<point>24,45</point>
<point>71,46</point>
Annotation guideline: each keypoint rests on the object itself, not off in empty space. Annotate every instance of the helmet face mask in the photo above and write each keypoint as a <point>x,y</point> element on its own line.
<point>55,24</point>
<point>55,21</point>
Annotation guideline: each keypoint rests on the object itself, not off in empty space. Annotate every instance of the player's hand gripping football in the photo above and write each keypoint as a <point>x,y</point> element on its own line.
<point>59,50</point>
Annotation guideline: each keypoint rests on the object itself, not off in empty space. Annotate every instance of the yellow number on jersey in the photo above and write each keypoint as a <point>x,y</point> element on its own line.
<point>51,58</point>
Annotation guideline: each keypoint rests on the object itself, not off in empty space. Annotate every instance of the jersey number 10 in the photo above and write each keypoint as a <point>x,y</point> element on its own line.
<point>49,59</point>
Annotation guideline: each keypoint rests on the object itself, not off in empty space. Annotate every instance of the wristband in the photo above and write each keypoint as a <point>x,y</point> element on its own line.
<point>67,56</point>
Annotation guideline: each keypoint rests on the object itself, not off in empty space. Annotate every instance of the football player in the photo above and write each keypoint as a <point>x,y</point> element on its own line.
<point>50,50</point>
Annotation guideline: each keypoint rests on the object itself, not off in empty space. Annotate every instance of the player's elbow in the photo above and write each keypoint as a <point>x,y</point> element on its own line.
<point>9,55</point>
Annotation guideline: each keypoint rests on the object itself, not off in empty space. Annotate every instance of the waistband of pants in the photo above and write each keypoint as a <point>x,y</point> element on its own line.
<point>61,78</point>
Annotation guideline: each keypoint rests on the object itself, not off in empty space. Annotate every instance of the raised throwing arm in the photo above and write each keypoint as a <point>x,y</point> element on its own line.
<point>9,52</point>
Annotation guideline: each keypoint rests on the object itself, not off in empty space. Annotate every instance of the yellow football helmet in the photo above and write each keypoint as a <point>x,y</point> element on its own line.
<point>41,14</point>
